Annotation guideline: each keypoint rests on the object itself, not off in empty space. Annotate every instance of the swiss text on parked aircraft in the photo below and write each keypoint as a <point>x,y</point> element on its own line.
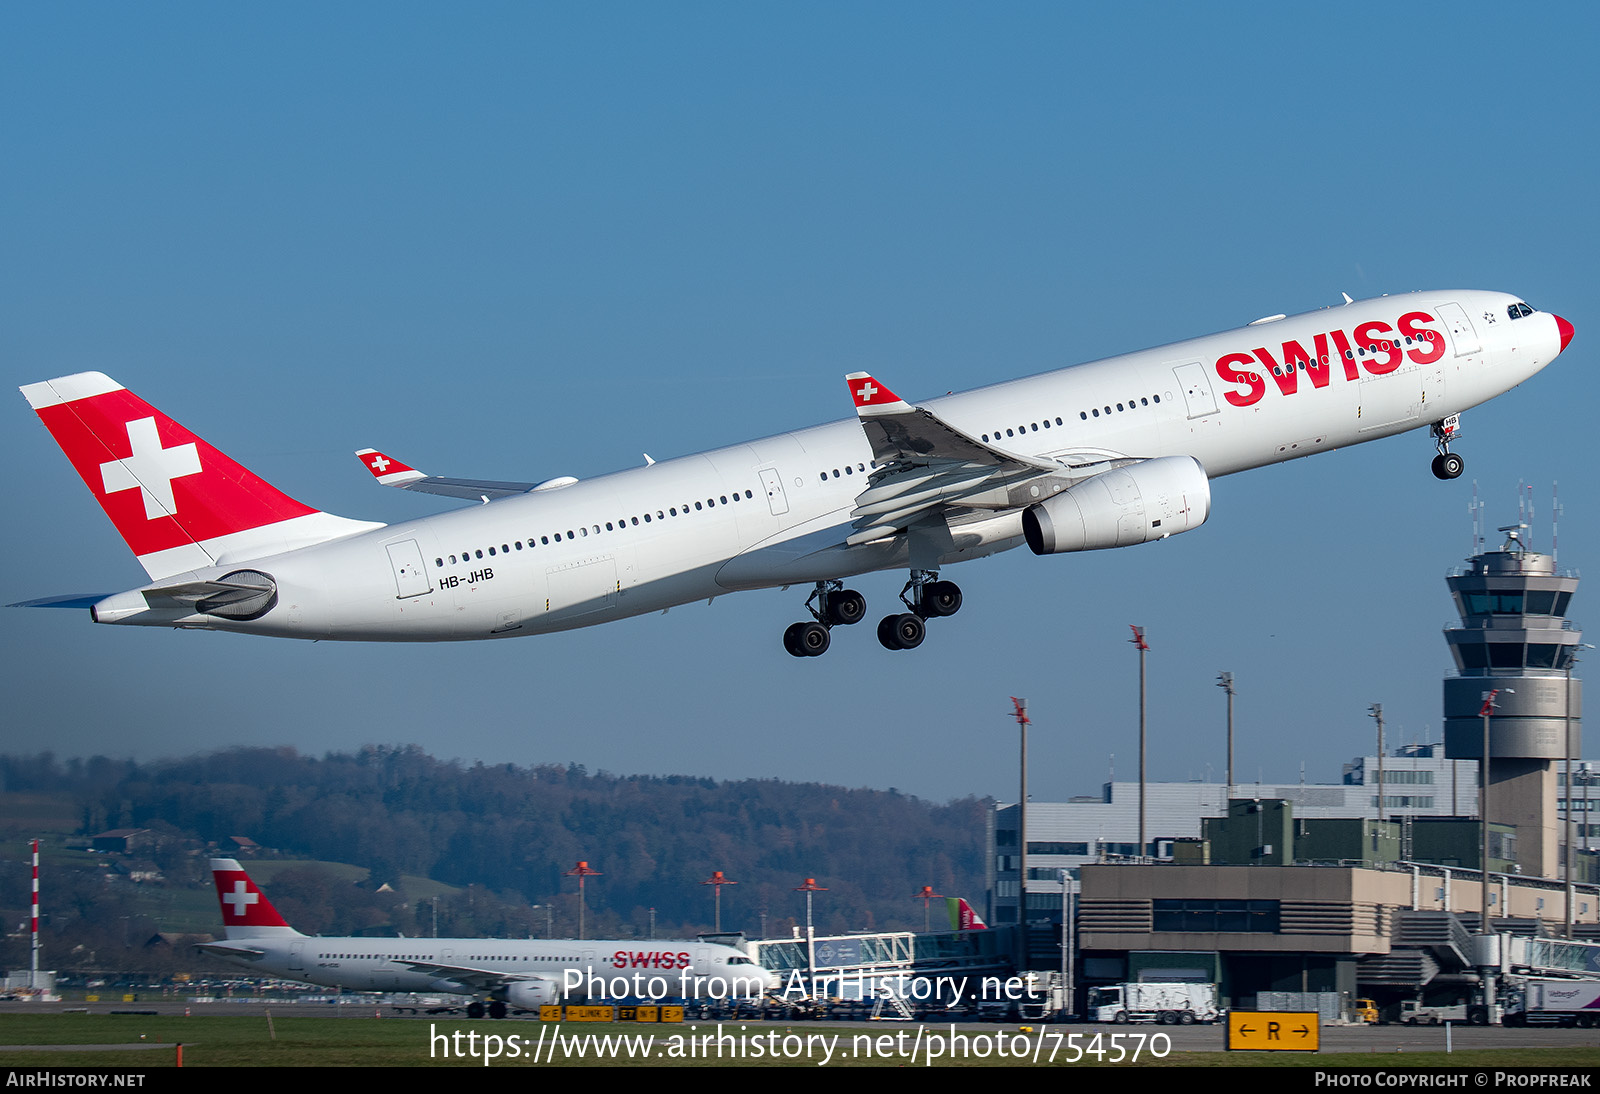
<point>1106,454</point>
<point>523,973</point>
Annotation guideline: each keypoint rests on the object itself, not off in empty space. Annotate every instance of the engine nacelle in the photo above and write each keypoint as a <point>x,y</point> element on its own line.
<point>1149,500</point>
<point>532,994</point>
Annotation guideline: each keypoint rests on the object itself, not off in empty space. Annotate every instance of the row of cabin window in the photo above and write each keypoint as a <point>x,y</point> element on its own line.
<point>1351,354</point>
<point>848,470</point>
<point>1082,414</point>
<point>1278,370</point>
<point>611,526</point>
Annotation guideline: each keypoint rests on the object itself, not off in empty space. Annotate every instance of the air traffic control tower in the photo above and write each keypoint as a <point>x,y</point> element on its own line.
<point>1516,640</point>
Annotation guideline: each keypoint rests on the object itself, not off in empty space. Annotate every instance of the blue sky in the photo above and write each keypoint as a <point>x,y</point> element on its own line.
<point>526,240</point>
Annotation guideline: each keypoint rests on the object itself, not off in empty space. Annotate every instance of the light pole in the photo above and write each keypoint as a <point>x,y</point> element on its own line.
<point>926,896</point>
<point>1069,939</point>
<point>1377,714</point>
<point>1485,712</point>
<point>718,881</point>
<point>1567,857</point>
<point>808,888</point>
<point>1143,648</point>
<point>1020,713</point>
<point>582,871</point>
<point>1225,682</point>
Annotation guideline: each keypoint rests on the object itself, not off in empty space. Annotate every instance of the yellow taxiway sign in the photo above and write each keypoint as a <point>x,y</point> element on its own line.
<point>1274,1031</point>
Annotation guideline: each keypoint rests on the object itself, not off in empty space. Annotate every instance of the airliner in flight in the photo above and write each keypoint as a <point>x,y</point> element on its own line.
<point>1099,455</point>
<point>498,974</point>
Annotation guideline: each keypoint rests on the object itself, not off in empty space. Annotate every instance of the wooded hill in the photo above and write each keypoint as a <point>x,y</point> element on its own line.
<point>504,835</point>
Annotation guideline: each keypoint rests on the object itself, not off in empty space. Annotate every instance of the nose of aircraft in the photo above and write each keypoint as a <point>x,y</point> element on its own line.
<point>1566,331</point>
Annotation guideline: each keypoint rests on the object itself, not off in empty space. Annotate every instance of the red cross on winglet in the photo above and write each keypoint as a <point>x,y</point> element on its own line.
<point>381,465</point>
<point>869,392</point>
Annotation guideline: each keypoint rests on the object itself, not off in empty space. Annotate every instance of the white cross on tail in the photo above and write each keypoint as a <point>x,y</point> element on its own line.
<point>241,898</point>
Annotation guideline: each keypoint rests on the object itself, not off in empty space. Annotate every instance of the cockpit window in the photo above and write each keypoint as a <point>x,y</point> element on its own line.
<point>1518,310</point>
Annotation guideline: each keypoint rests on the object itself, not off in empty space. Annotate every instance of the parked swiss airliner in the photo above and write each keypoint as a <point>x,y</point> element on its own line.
<point>497,974</point>
<point>1106,454</point>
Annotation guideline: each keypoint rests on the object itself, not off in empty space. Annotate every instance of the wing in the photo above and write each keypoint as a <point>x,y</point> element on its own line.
<point>926,465</point>
<point>391,472</point>
<point>473,980</point>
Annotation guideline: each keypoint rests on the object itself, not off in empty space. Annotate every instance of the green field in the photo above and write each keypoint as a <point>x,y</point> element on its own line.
<point>390,1042</point>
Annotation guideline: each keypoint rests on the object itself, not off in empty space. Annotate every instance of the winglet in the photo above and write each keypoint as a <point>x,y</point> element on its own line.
<point>872,398</point>
<point>388,470</point>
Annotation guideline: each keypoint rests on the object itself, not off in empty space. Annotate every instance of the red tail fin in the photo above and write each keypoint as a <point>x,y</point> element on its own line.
<point>963,918</point>
<point>246,912</point>
<point>178,502</point>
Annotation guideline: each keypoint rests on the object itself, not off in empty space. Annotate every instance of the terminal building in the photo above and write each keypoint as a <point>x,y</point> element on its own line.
<point>1272,888</point>
<point>1420,782</point>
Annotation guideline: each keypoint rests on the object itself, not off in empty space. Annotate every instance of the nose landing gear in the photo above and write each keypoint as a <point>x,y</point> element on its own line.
<point>1447,465</point>
<point>831,605</point>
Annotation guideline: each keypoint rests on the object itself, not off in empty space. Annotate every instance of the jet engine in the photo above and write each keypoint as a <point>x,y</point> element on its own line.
<point>1143,501</point>
<point>532,994</point>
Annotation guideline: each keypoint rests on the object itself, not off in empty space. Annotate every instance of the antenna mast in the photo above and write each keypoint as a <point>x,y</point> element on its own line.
<point>1555,517</point>
<point>1476,511</point>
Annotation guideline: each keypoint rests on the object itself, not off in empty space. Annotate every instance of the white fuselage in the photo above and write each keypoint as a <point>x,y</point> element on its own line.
<point>777,511</point>
<point>569,970</point>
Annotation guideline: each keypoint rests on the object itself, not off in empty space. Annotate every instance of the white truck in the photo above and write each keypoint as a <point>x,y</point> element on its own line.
<point>1413,1013</point>
<point>1169,1004</point>
<point>1552,1002</point>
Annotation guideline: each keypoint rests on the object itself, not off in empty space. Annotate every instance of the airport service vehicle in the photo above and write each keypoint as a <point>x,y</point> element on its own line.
<point>1413,1013</point>
<point>1169,1004</point>
<point>1554,1002</point>
<point>498,974</point>
<point>1106,454</point>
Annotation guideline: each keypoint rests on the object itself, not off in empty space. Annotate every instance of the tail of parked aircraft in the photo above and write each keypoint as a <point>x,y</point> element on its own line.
<point>179,503</point>
<point>246,911</point>
<point>962,917</point>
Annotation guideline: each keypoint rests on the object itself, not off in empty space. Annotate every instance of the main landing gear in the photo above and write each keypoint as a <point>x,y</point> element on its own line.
<point>831,605</point>
<point>929,598</point>
<point>1447,465</point>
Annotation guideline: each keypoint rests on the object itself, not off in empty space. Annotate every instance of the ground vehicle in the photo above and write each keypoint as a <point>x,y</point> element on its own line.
<point>1169,1004</point>
<point>1413,1013</point>
<point>1367,1011</point>
<point>1552,1002</point>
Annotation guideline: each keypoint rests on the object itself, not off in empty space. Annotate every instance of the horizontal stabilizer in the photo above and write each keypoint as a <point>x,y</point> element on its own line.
<point>79,600</point>
<point>391,472</point>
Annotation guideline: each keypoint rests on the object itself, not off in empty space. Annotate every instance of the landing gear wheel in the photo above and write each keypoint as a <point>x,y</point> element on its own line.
<point>1448,465</point>
<point>886,635</point>
<point>813,639</point>
<point>846,608</point>
<point>941,598</point>
<point>902,632</point>
<point>474,1010</point>
<point>806,639</point>
<point>497,1009</point>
